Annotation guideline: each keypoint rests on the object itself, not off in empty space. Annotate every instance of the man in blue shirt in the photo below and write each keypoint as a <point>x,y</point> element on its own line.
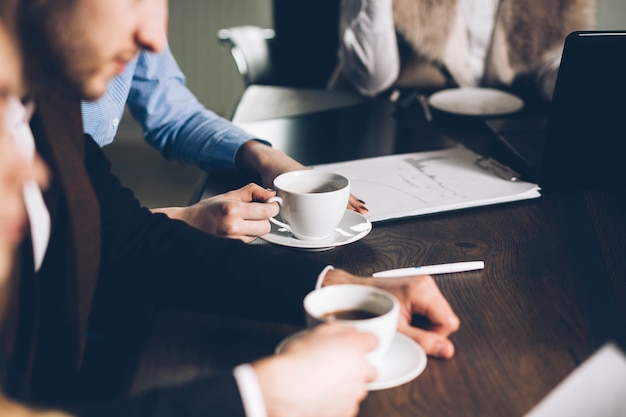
<point>177,125</point>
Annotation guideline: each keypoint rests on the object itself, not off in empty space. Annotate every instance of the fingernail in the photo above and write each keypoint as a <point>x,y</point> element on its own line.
<point>361,201</point>
<point>364,208</point>
<point>439,348</point>
<point>444,350</point>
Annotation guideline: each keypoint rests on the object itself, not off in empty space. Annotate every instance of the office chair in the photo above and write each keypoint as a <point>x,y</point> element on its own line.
<point>251,49</point>
<point>300,51</point>
<point>286,69</point>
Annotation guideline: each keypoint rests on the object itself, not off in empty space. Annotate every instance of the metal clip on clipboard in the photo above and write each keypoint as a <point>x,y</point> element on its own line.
<point>495,167</point>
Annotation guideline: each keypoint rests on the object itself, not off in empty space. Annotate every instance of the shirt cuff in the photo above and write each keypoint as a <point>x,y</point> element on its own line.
<point>250,391</point>
<point>263,141</point>
<point>321,276</point>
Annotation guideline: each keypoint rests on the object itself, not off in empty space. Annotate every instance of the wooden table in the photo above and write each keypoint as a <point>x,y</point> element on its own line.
<point>553,289</point>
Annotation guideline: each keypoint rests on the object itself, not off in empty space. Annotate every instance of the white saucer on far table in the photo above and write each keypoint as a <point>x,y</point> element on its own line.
<point>475,101</point>
<point>405,360</point>
<point>353,227</point>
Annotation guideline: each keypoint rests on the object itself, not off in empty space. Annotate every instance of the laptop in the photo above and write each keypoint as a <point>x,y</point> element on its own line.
<point>582,141</point>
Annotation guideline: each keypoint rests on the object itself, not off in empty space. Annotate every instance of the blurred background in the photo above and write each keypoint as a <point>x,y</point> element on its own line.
<point>212,76</point>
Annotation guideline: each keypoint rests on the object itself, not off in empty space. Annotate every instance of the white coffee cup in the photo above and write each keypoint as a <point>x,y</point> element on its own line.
<point>312,203</point>
<point>366,308</point>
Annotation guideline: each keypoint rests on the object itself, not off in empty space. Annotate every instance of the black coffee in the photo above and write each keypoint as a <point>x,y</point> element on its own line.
<point>353,314</point>
<point>308,189</point>
<point>324,188</point>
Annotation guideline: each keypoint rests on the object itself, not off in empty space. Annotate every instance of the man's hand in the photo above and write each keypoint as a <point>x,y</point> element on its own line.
<point>239,214</point>
<point>418,295</point>
<point>323,373</point>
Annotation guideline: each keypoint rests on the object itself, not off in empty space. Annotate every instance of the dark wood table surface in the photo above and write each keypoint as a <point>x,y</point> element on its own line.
<point>553,289</point>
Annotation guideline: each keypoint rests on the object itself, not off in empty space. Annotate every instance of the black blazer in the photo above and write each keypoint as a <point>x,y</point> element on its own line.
<point>102,238</point>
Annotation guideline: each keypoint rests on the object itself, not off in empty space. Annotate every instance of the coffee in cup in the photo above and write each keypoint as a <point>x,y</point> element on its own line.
<point>312,203</point>
<point>366,308</point>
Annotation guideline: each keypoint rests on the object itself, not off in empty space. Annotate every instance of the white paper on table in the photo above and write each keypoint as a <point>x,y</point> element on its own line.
<point>596,388</point>
<point>412,184</point>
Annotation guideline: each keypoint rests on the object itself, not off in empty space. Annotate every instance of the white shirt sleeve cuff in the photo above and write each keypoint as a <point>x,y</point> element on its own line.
<point>250,390</point>
<point>321,276</point>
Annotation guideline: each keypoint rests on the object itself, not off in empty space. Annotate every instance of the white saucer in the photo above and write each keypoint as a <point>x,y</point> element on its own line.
<point>475,101</point>
<point>352,227</point>
<point>405,360</point>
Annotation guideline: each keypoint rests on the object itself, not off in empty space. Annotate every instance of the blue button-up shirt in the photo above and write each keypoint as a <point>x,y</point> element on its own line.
<point>173,120</point>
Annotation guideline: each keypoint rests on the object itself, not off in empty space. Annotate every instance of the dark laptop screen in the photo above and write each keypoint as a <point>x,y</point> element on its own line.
<point>586,134</point>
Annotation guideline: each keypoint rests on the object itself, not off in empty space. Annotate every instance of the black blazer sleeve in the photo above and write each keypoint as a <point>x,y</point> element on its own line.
<point>216,396</point>
<point>170,263</point>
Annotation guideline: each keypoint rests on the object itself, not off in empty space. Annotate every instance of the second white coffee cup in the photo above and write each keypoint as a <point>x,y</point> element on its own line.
<point>363,307</point>
<point>312,203</point>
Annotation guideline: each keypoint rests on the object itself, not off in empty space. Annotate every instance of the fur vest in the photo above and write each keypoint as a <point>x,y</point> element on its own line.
<point>527,36</point>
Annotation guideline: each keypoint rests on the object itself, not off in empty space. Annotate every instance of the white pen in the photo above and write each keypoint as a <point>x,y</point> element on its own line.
<point>431,269</point>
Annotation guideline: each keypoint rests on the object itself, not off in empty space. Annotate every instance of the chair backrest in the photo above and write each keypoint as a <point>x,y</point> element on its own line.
<point>301,50</point>
<point>584,144</point>
<point>250,47</point>
<point>307,37</point>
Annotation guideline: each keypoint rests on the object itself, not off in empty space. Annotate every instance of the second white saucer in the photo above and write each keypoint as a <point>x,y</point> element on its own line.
<point>352,227</point>
<point>476,101</point>
<point>405,360</point>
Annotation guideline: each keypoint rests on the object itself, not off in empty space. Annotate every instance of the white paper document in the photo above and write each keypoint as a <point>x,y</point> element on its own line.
<point>596,388</point>
<point>413,184</point>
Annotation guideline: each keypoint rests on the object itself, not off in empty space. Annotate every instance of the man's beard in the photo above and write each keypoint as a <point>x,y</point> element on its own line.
<point>45,63</point>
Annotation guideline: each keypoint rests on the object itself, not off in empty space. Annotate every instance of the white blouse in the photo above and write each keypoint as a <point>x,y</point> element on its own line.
<point>367,49</point>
